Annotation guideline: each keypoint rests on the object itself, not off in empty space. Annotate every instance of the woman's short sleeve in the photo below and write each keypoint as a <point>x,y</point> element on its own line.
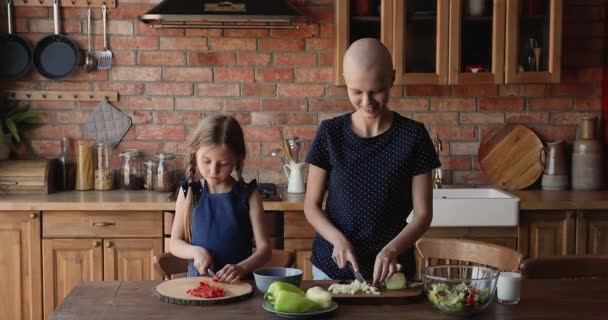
<point>319,151</point>
<point>425,158</point>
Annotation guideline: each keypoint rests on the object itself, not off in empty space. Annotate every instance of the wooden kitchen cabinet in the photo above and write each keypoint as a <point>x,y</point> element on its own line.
<point>130,259</point>
<point>592,232</point>
<point>546,233</point>
<point>20,268</point>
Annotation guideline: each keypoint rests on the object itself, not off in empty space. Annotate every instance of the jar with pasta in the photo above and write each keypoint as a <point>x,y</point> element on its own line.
<point>165,172</point>
<point>84,166</point>
<point>104,175</point>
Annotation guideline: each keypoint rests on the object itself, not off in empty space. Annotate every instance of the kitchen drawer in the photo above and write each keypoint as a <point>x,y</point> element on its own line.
<point>296,226</point>
<point>102,224</point>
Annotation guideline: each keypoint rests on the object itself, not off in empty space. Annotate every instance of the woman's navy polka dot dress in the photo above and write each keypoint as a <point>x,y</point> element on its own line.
<point>369,187</point>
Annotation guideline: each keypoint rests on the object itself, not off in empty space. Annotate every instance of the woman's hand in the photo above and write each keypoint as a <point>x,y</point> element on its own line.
<point>385,265</point>
<point>344,252</point>
<point>230,273</point>
<point>202,260</point>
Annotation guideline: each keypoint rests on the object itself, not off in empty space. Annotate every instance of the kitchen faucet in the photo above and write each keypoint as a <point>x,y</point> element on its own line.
<point>437,173</point>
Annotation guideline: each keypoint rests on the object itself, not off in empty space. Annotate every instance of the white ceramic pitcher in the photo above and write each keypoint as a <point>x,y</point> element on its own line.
<point>294,174</point>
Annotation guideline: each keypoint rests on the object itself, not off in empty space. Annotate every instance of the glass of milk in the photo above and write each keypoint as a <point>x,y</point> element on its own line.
<point>508,287</point>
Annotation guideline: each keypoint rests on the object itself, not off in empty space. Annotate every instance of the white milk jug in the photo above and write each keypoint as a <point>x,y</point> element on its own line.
<point>294,174</point>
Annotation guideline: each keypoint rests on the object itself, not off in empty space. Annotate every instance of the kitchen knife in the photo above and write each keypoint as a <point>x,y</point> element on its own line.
<point>358,275</point>
<point>210,272</point>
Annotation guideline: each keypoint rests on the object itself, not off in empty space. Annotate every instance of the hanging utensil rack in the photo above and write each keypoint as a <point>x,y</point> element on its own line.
<point>61,95</point>
<point>65,3</point>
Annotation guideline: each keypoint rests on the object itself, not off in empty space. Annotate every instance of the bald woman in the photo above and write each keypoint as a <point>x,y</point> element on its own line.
<point>376,167</point>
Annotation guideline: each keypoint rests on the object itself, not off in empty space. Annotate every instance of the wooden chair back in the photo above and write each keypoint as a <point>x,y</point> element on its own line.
<point>564,267</point>
<point>436,251</point>
<point>169,266</point>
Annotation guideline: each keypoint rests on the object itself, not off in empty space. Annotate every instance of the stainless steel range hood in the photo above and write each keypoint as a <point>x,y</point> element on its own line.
<point>222,14</point>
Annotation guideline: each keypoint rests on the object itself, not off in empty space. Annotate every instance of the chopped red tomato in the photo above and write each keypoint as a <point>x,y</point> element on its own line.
<point>471,298</point>
<point>206,291</point>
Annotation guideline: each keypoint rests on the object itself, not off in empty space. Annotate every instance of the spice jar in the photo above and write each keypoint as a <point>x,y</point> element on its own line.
<point>149,175</point>
<point>104,175</point>
<point>131,170</point>
<point>84,166</point>
<point>165,172</point>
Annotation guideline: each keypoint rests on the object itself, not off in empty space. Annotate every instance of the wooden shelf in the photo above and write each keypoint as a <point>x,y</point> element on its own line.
<point>366,18</point>
<point>61,95</point>
<point>65,3</point>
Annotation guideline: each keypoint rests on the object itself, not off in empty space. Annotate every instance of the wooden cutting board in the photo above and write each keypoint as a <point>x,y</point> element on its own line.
<point>403,296</point>
<point>174,291</point>
<point>509,157</point>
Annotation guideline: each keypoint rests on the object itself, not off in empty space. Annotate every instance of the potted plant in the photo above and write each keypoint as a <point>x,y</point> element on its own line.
<point>15,120</point>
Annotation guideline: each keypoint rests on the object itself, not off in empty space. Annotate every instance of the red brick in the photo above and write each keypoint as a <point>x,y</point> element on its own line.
<point>427,90</point>
<point>262,134</point>
<point>437,117</point>
<point>482,117</point>
<point>470,178</point>
<point>136,73</point>
<point>305,30</point>
<point>326,59</point>
<point>281,44</point>
<point>464,148</point>
<point>29,11</point>
<point>259,90</point>
<point>592,104</point>
<point>183,44</point>
<point>146,147</point>
<point>549,104</point>
<point>330,105</point>
<point>211,59</point>
<point>202,104</point>
<point>314,74</point>
<point>20,85</point>
<point>526,90</point>
<point>141,117</point>
<point>132,43</point>
<point>68,86</point>
<point>453,133</point>
<point>233,74</point>
<point>176,147</point>
<point>501,104</point>
<point>554,133</point>
<point>244,118</point>
<point>47,148</point>
<point>151,103</point>
<point>218,90</point>
<point>203,32</point>
<point>188,74</point>
<point>178,117</point>
<point>483,90</point>
<point>455,163</point>
<point>305,133</point>
<point>284,105</point>
<point>319,13</point>
<point>123,88</point>
<point>320,44</point>
<point>261,118</point>
<point>19,26</point>
<point>337,91</point>
<point>126,11</point>
<point>568,90</point>
<point>328,30</point>
<point>301,90</point>
<point>47,26</point>
<point>409,104</point>
<point>160,132</point>
<point>252,33</point>
<point>294,118</point>
<point>123,58</point>
<point>53,105</point>
<point>142,29</point>
<point>276,176</point>
<point>73,116</point>
<point>253,149</point>
<point>81,75</point>
<point>528,117</point>
<point>396,91</point>
<point>169,89</point>
<point>274,75</point>
<point>254,58</point>
<point>295,59</point>
<point>123,28</point>
<point>162,58</point>
<point>452,104</point>
<point>51,131</point>
<point>569,117</point>
<point>241,104</point>
<point>233,44</point>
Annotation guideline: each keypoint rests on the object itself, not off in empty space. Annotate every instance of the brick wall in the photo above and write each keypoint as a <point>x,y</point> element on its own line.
<point>281,80</point>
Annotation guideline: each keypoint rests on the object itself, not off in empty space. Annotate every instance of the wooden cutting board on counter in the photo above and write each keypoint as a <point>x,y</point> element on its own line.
<point>402,296</point>
<point>509,156</point>
<point>174,291</point>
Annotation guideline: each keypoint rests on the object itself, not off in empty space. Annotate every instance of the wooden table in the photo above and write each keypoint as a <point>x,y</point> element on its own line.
<point>541,299</point>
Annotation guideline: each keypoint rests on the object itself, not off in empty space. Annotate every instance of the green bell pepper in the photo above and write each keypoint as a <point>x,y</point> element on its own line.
<point>288,301</point>
<point>277,286</point>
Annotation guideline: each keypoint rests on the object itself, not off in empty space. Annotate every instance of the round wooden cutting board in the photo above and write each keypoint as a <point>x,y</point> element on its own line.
<point>174,291</point>
<point>509,157</point>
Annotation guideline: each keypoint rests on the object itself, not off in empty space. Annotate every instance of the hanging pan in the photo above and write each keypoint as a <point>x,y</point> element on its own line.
<point>15,53</point>
<point>56,56</point>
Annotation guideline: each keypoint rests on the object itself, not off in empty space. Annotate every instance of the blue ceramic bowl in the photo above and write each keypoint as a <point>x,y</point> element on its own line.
<point>265,277</point>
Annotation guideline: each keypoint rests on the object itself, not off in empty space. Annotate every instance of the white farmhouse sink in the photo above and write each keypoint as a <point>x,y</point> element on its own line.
<point>483,207</point>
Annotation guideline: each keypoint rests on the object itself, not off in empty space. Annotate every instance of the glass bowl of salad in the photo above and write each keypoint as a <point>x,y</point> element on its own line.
<point>460,290</point>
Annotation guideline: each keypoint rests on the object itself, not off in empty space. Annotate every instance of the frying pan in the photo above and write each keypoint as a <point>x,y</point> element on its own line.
<point>56,56</point>
<point>15,53</point>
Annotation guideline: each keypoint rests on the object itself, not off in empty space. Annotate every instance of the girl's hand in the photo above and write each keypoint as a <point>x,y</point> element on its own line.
<point>344,252</point>
<point>202,260</point>
<point>230,273</point>
<point>385,265</point>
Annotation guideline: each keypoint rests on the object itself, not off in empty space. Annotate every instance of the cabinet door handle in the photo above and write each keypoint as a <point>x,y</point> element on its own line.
<point>96,244</point>
<point>108,244</point>
<point>102,223</point>
<point>33,216</point>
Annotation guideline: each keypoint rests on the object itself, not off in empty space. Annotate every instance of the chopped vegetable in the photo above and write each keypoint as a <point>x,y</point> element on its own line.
<point>286,297</point>
<point>320,296</point>
<point>277,286</point>
<point>396,281</point>
<point>457,298</point>
<point>353,287</point>
<point>206,291</point>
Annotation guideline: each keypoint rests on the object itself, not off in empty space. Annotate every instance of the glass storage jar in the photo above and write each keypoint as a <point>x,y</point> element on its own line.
<point>131,170</point>
<point>104,175</point>
<point>84,167</point>
<point>165,172</point>
<point>149,175</point>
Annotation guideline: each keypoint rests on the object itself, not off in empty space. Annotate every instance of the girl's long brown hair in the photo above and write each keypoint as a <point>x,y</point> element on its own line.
<point>212,130</point>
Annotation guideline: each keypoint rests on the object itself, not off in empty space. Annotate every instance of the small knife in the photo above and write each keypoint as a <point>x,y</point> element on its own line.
<point>358,275</point>
<point>209,271</point>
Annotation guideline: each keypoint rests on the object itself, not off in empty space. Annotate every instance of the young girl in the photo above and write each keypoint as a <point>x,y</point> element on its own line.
<point>217,217</point>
